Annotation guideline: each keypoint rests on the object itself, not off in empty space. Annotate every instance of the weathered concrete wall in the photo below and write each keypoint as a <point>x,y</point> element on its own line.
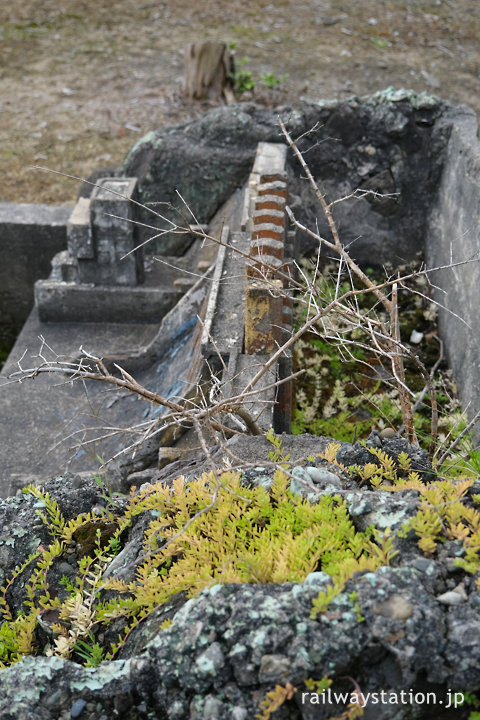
<point>30,235</point>
<point>454,236</point>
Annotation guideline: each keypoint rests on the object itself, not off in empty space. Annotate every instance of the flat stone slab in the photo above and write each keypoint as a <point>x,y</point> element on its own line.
<point>34,215</point>
<point>36,416</point>
<point>70,302</point>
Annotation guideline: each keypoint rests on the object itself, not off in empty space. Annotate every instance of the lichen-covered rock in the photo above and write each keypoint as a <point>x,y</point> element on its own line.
<point>377,143</point>
<point>221,652</point>
<point>226,648</point>
<point>22,531</point>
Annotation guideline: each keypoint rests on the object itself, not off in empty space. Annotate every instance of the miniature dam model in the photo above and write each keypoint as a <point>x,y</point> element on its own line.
<point>203,306</point>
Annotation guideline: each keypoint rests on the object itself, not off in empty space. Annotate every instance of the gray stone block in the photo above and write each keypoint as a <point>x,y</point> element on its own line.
<point>70,302</point>
<point>113,235</point>
<point>79,232</point>
<point>30,235</point>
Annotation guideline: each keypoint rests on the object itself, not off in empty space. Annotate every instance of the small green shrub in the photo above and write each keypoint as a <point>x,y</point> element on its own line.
<point>271,80</point>
<point>242,79</point>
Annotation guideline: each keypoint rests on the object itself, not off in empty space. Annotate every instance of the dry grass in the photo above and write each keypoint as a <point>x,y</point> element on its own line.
<point>77,78</point>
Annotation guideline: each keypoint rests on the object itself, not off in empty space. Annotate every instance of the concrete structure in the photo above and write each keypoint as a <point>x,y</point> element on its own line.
<point>267,197</point>
<point>245,322</point>
<point>48,426</point>
<point>103,238</point>
<point>243,307</point>
<point>453,236</point>
<point>101,276</point>
<point>30,235</point>
<point>168,348</point>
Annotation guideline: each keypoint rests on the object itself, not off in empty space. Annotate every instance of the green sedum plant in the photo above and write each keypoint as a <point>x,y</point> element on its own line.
<point>444,515</point>
<point>387,473</point>
<point>215,530</point>
<point>248,535</point>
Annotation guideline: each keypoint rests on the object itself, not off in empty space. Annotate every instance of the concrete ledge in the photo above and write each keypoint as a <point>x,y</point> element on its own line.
<point>69,302</point>
<point>36,417</point>
<point>32,215</point>
<point>270,161</point>
<point>30,235</point>
<point>454,236</point>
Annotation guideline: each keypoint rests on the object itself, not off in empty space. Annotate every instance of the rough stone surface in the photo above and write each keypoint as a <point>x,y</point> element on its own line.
<point>377,143</point>
<point>230,645</point>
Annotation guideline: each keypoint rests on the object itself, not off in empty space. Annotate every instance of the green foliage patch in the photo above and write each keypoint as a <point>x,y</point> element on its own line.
<point>248,535</point>
<point>243,79</point>
<point>345,390</point>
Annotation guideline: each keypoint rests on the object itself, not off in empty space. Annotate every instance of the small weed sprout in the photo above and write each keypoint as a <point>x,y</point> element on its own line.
<point>271,80</point>
<point>90,652</point>
<point>278,455</point>
<point>242,79</point>
<point>275,699</point>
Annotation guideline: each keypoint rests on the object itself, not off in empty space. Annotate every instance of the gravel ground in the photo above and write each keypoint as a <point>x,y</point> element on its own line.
<point>82,80</point>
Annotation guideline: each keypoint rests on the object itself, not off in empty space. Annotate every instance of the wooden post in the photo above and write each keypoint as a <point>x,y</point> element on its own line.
<point>208,66</point>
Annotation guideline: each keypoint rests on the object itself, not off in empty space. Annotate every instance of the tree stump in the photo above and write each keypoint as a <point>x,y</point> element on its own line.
<point>208,67</point>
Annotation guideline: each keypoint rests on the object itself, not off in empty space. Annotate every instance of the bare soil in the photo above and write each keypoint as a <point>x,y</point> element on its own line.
<point>82,80</point>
